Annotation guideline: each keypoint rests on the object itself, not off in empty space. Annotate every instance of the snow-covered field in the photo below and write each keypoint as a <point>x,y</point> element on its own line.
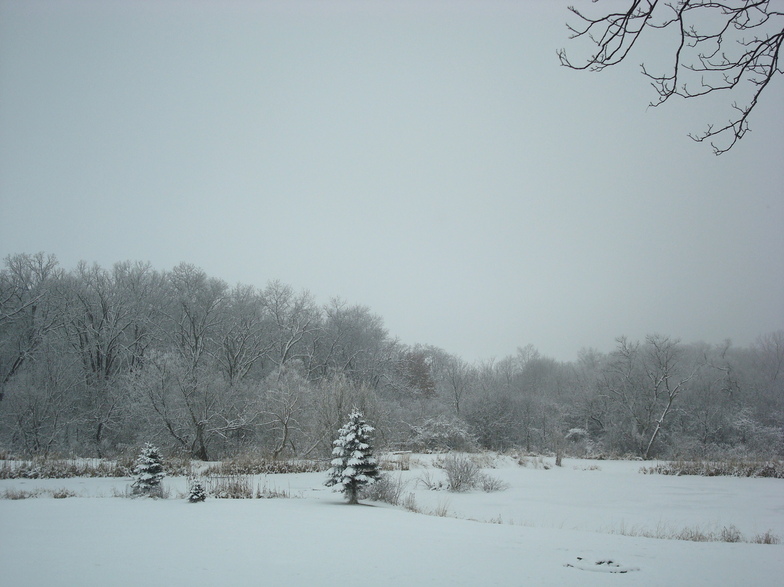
<point>556,526</point>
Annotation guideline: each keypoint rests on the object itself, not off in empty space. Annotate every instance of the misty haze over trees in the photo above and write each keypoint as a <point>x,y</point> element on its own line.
<point>96,362</point>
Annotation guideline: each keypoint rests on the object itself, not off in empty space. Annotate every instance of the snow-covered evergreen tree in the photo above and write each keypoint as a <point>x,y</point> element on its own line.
<point>353,465</point>
<point>197,492</point>
<point>149,472</point>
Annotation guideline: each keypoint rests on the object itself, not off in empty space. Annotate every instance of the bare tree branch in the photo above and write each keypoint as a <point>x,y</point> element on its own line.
<point>732,46</point>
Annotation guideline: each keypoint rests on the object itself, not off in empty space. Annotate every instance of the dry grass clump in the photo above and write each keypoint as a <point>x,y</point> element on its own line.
<point>410,504</point>
<point>65,468</point>
<point>731,468</point>
<point>531,461</point>
<point>11,493</point>
<point>240,487</point>
<point>230,486</point>
<point>62,493</point>
<point>265,491</point>
<point>429,482</point>
<point>729,534</point>
<point>441,510</point>
<point>397,461</point>
<point>256,465</point>
<point>40,468</point>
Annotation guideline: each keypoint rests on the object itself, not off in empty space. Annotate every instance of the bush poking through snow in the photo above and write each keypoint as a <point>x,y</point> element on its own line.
<point>462,473</point>
<point>441,510</point>
<point>11,493</point>
<point>149,473</point>
<point>196,493</point>
<point>490,484</point>
<point>532,461</point>
<point>766,538</point>
<point>353,465</point>
<point>409,503</point>
<point>387,489</point>
<point>429,483</point>
<point>731,534</point>
<point>265,492</point>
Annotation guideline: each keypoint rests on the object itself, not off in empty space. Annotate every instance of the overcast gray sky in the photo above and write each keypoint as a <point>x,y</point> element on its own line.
<point>430,160</point>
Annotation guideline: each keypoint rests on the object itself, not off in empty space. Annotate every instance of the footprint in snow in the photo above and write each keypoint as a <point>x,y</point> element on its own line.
<point>600,566</point>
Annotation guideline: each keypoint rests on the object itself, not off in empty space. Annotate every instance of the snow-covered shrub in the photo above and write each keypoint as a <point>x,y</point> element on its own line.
<point>462,473</point>
<point>442,434</point>
<point>577,434</point>
<point>149,473</point>
<point>580,443</point>
<point>196,493</point>
<point>353,465</point>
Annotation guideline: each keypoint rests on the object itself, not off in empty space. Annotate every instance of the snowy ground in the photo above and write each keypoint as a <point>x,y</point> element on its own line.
<point>556,529</point>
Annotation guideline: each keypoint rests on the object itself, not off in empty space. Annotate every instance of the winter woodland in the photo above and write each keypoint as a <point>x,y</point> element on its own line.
<point>96,362</point>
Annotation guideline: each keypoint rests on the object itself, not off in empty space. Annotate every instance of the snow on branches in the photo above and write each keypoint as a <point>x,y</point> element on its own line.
<point>149,473</point>
<point>353,463</point>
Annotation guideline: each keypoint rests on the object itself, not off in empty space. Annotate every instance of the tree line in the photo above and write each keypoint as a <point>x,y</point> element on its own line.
<point>96,362</point>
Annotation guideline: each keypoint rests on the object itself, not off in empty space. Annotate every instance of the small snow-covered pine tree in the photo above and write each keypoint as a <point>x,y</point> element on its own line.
<point>197,493</point>
<point>353,464</point>
<point>149,472</point>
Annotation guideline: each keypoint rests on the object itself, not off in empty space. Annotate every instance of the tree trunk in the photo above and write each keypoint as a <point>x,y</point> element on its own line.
<point>353,495</point>
<point>199,449</point>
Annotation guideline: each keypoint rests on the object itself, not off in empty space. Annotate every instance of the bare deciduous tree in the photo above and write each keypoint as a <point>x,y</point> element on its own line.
<point>27,310</point>
<point>244,340</point>
<point>283,400</point>
<point>644,382</point>
<point>295,317</point>
<point>732,45</point>
<point>457,376</point>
